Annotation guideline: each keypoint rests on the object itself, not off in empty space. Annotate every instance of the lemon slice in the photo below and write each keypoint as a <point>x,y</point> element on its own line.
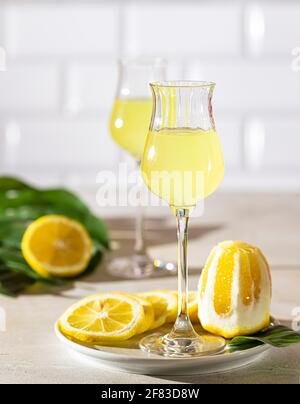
<point>149,314</point>
<point>164,303</point>
<point>57,246</point>
<point>107,317</point>
<point>192,307</point>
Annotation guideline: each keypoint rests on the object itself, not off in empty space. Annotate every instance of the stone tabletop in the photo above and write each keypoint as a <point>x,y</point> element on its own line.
<point>30,352</point>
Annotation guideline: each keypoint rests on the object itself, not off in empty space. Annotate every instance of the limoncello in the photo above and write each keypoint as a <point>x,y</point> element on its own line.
<point>183,166</point>
<point>129,124</point>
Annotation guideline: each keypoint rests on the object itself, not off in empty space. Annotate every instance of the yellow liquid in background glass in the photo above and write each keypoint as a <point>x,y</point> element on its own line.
<point>129,124</point>
<point>183,166</point>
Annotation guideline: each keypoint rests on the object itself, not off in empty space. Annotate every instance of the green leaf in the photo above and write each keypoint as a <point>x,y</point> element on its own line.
<point>12,283</point>
<point>95,261</point>
<point>19,198</point>
<point>7,292</point>
<point>277,336</point>
<point>20,204</point>
<point>97,229</point>
<point>62,198</point>
<point>13,260</point>
<point>10,183</point>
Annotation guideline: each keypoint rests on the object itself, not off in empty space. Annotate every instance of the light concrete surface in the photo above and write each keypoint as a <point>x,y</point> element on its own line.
<point>30,352</point>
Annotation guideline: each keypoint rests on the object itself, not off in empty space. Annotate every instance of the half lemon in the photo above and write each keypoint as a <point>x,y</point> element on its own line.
<point>57,246</point>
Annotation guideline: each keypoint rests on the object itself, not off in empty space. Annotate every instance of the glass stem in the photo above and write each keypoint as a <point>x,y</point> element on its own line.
<point>182,234</point>
<point>139,232</point>
<point>183,327</point>
<point>139,223</point>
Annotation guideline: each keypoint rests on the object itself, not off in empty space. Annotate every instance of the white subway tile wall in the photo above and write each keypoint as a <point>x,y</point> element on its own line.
<point>86,139</point>
<point>250,85</point>
<point>29,87</point>
<point>280,27</point>
<point>61,29</point>
<point>61,76</point>
<point>186,28</point>
<point>281,140</point>
<point>90,87</point>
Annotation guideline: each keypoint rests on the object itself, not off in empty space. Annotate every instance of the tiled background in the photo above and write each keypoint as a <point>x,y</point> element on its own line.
<point>60,78</point>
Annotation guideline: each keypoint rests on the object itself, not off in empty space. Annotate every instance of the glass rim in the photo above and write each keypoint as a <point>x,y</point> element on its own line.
<point>183,83</point>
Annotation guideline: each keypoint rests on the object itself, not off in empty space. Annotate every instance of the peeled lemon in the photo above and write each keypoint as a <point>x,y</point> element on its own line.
<point>57,246</point>
<point>104,318</point>
<point>235,290</point>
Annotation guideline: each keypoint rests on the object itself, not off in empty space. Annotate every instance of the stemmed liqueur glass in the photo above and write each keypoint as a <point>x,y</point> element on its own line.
<point>182,164</point>
<point>129,124</point>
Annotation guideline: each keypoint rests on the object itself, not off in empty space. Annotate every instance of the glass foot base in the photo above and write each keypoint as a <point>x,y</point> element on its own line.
<point>135,267</point>
<point>202,345</point>
<point>138,267</point>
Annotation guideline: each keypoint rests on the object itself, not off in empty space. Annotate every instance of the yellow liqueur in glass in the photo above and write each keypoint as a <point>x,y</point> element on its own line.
<point>191,161</point>
<point>182,164</point>
<point>130,124</point>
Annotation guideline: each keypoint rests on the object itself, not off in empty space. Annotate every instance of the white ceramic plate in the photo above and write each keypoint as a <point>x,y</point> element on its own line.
<point>133,360</point>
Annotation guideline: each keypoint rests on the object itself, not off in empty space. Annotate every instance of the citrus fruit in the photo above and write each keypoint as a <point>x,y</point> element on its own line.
<point>57,246</point>
<point>235,290</point>
<point>192,307</point>
<point>148,314</point>
<point>107,317</point>
<point>164,303</point>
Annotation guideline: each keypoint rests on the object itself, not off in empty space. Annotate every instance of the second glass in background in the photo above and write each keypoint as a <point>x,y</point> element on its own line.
<point>129,126</point>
